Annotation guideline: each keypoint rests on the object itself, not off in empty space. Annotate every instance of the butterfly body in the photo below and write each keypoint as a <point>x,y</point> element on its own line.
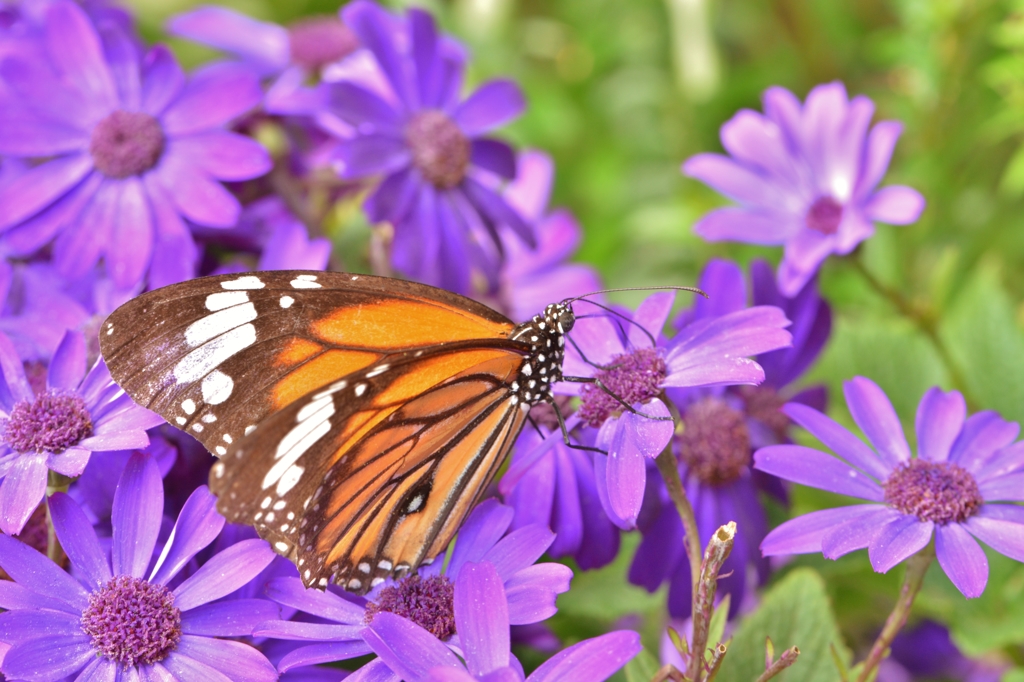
<point>357,418</point>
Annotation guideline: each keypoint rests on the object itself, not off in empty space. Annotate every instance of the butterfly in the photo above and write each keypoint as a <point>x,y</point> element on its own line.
<point>358,419</point>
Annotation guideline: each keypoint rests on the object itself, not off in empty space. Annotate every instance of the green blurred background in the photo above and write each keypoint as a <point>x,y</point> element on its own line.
<point>622,91</point>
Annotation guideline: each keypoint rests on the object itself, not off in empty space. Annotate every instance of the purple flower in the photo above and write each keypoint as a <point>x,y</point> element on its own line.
<point>806,177</point>
<point>635,364</point>
<point>482,619</point>
<point>38,309</point>
<point>926,652</point>
<point>58,626</point>
<point>722,426</point>
<point>951,490</point>
<point>532,278</point>
<point>59,427</point>
<point>131,151</point>
<point>429,147</point>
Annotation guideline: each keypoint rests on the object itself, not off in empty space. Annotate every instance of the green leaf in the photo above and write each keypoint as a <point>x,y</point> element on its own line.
<point>716,628</point>
<point>795,612</point>
<point>606,594</point>
<point>642,667</point>
<point>1015,675</point>
<point>981,331</point>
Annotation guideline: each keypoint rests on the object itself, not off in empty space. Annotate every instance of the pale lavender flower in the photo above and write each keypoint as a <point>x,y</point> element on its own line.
<point>806,177</point>
<point>952,490</point>
<point>58,626</point>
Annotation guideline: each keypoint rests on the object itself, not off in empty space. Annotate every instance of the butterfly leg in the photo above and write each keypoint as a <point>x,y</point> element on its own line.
<point>565,432</point>
<point>626,406</point>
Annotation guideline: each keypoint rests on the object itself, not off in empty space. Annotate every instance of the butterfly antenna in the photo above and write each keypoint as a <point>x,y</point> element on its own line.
<point>693,290</point>
<point>618,314</point>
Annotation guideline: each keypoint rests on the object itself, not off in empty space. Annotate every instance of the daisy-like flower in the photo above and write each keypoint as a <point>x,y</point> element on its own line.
<point>722,426</point>
<point>38,309</point>
<point>119,617</point>
<point>59,427</point>
<point>430,148</point>
<point>927,652</point>
<point>267,227</point>
<point>806,177</point>
<point>426,598</point>
<point>481,613</point>
<point>951,491</point>
<point>129,150</point>
<point>635,364</point>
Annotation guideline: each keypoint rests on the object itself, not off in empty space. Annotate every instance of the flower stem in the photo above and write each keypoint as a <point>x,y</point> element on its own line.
<point>922,319</point>
<point>55,483</point>
<point>917,566</point>
<point>787,659</point>
<point>718,550</point>
<point>666,462</point>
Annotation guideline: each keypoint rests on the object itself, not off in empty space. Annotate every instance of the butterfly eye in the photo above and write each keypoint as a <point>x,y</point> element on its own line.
<point>566,319</point>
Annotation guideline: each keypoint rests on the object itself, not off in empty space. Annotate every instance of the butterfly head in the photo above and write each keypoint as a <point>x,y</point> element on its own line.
<point>545,334</point>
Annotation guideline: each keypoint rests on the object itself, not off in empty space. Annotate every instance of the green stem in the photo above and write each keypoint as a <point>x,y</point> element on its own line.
<point>669,470</point>
<point>917,566</point>
<point>921,319</point>
<point>55,483</point>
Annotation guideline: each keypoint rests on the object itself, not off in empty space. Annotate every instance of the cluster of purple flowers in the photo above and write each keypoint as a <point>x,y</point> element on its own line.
<point>121,173</point>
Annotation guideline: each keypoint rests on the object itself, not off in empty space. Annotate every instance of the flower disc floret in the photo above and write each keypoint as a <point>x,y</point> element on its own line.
<point>132,621</point>
<point>715,443</point>
<point>440,151</point>
<point>126,143</point>
<point>825,215</point>
<point>941,492</point>
<point>633,377</point>
<point>428,602</point>
<point>52,422</point>
<point>318,41</point>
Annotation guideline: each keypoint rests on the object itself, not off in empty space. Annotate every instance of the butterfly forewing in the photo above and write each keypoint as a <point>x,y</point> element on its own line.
<point>214,356</point>
<point>371,475</point>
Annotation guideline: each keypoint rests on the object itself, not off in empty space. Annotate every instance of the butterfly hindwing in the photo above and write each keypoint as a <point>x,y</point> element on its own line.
<point>371,475</point>
<point>216,355</point>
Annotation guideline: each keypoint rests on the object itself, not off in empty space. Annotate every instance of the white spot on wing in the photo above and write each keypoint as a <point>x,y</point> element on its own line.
<point>286,301</point>
<point>221,450</point>
<point>226,299</point>
<point>305,282</point>
<point>210,355</point>
<point>380,369</point>
<point>217,387</point>
<point>281,546</point>
<point>249,429</point>
<point>189,406</point>
<point>302,437</point>
<point>360,389</point>
<point>246,282</point>
<point>215,324</point>
<point>181,420</point>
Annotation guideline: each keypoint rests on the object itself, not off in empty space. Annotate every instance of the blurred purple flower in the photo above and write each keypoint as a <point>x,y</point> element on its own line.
<point>482,619</point>
<point>60,427</point>
<point>38,309</point>
<point>950,490</point>
<point>532,278</point>
<point>429,147</point>
<point>926,652</point>
<point>59,626</point>
<point>634,362</point>
<point>806,177</point>
<point>131,150</point>
<point>722,426</point>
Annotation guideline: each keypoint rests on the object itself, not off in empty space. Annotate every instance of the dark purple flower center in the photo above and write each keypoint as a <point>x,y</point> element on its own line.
<point>428,602</point>
<point>126,143</point>
<point>941,492</point>
<point>439,149</point>
<point>52,422</point>
<point>318,41</point>
<point>824,215</point>
<point>132,621</point>
<point>764,404</point>
<point>715,444</point>
<point>634,377</point>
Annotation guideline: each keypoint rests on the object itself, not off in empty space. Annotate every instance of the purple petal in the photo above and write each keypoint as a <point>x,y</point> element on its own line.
<point>22,625</point>
<point>816,469</point>
<point>78,539</point>
<point>457,675</point>
<point>480,532</point>
<point>726,287</point>
<point>358,106</point>
<point>802,255</point>
<point>962,558</point>
<point>213,96</point>
<point>376,670</point>
<point>896,205</point>
<point>481,618</point>
<point>494,156</point>
<point>734,180</point>
<point>1007,460</point>
<point>185,669</point>
<point>874,414</point>
<point>76,51</point>
<point>48,658</point>
<point>409,650</point>
<point>79,245</point>
<point>519,549</point>
<point>650,316</point>
<point>224,573</point>
<point>425,58</point>
<point>839,440</point>
<point>601,485</point>
<point>372,154</point>
<point>291,592</point>
<point>626,476</point>
<point>131,242</point>
<point>67,368</point>
<point>197,196</point>
<point>324,653</point>
<point>237,660</point>
<point>34,571</point>
<point>593,660</point>
<point>138,508</point>
<point>804,534</point>
<point>493,207</point>
<point>264,44</point>
<point>1001,527</point>
<point>856,533</point>
<point>25,133</point>
<point>197,526</point>
<point>742,225</point>
<point>228,618</point>
<point>292,630</point>
<point>371,24</point>
<point>898,540</point>
<point>21,491</point>
<point>881,141</point>
<point>223,155</point>
<point>40,186</point>
<point>492,105</point>
<point>983,434</point>
<point>1009,488</point>
<point>532,591</point>
<point>14,597</point>
<point>162,80</point>
<point>758,142</point>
